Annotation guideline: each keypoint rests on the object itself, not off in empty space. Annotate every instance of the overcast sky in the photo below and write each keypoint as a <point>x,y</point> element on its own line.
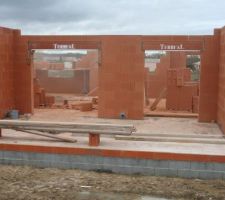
<point>113,16</point>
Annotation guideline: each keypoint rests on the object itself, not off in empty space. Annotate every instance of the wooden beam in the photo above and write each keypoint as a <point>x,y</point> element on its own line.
<point>168,139</point>
<point>68,130</point>
<point>67,125</point>
<point>157,100</point>
<point>65,139</point>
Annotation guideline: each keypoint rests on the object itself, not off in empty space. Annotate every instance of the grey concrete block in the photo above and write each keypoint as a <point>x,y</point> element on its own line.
<point>142,162</point>
<point>35,156</point>
<point>165,172</point>
<point>148,171</point>
<point>58,158</point>
<point>187,173</point>
<point>1,154</point>
<point>9,161</point>
<point>198,166</point>
<point>152,163</point>
<point>219,166</point>
<point>224,176</point>
<point>62,165</point>
<point>76,158</point>
<point>211,175</point>
<point>135,170</point>
<point>163,164</point>
<point>127,170</point>
<point>179,164</point>
<point>13,154</point>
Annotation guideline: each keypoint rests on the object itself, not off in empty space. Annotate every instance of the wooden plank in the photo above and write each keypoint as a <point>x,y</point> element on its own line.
<point>170,114</point>
<point>157,100</point>
<point>181,135</point>
<point>65,139</point>
<point>82,126</point>
<point>177,140</point>
<point>68,130</point>
<point>93,90</point>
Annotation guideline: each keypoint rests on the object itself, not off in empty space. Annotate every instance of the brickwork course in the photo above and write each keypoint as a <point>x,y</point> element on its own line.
<point>121,70</point>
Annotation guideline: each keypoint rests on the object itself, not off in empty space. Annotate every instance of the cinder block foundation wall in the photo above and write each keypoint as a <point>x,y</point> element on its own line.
<point>121,77</point>
<point>221,92</point>
<point>6,70</point>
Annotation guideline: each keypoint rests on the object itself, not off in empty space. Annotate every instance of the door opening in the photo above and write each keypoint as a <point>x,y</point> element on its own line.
<point>66,80</point>
<point>172,82</point>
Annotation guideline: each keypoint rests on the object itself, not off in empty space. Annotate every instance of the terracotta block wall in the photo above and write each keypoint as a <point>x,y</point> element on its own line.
<point>181,98</point>
<point>177,77</point>
<point>93,78</point>
<point>209,78</point>
<point>180,91</point>
<point>6,70</point>
<point>221,92</point>
<point>121,81</point>
<point>121,74</point>
<point>48,65</point>
<point>78,84</point>
<point>23,76</point>
<point>157,80</point>
<point>177,59</point>
<point>88,61</point>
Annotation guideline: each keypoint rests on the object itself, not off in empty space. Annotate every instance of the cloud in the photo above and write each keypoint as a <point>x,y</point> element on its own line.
<point>113,17</point>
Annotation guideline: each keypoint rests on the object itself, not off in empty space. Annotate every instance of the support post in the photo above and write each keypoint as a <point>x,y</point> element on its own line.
<point>94,139</point>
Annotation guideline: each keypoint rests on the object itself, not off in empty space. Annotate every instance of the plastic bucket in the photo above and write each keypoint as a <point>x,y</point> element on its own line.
<point>14,114</point>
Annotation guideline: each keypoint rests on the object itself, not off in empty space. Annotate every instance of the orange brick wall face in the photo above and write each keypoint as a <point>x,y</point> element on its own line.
<point>121,77</point>
<point>23,76</point>
<point>180,91</point>
<point>6,71</point>
<point>121,73</point>
<point>177,59</point>
<point>209,79</point>
<point>221,94</point>
<point>93,78</point>
<point>88,61</point>
<point>76,85</point>
<point>157,80</point>
<point>48,65</point>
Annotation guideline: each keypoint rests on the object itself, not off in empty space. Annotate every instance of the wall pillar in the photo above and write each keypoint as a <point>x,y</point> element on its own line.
<point>209,78</point>
<point>23,76</point>
<point>121,78</point>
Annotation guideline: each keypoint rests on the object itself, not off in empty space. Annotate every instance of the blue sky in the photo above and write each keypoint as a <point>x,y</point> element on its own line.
<point>113,16</point>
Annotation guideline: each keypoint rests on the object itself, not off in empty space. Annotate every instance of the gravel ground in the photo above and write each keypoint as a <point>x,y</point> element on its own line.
<point>45,184</point>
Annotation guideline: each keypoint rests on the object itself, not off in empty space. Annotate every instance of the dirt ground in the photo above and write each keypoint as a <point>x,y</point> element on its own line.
<point>45,184</point>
